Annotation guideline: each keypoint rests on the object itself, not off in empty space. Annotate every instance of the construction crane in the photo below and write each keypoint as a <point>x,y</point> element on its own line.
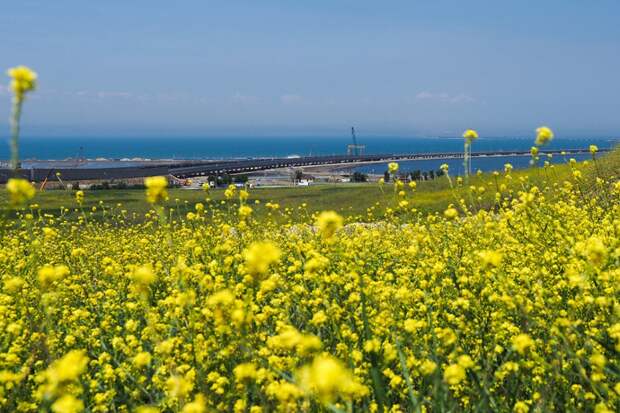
<point>80,159</point>
<point>355,149</point>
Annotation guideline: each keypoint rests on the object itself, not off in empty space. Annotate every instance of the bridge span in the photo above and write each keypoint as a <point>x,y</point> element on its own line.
<point>188,169</point>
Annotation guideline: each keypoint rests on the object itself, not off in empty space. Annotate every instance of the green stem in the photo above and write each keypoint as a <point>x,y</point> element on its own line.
<point>14,120</point>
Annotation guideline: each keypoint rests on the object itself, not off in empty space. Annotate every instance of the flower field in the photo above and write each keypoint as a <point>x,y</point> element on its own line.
<point>204,308</point>
<point>510,309</point>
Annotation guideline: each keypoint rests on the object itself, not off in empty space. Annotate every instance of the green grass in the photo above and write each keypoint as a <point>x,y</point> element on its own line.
<point>348,199</point>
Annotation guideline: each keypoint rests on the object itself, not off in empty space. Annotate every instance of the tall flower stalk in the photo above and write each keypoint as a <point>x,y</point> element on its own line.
<point>23,80</point>
<point>469,135</point>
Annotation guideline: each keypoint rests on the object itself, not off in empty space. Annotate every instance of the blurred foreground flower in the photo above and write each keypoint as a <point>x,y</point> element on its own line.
<point>543,135</point>
<point>327,378</point>
<point>393,167</point>
<point>259,256</point>
<point>23,79</point>
<point>20,191</point>
<point>156,189</point>
<point>328,223</point>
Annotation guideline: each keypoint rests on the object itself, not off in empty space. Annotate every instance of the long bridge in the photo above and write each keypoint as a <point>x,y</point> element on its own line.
<point>188,169</point>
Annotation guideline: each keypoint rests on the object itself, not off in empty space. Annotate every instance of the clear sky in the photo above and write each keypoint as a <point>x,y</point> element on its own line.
<point>267,67</point>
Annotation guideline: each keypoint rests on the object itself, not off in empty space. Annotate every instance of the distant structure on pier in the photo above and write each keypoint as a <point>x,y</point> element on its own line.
<point>355,149</point>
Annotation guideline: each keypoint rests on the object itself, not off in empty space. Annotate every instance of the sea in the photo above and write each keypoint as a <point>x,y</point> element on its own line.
<point>115,151</point>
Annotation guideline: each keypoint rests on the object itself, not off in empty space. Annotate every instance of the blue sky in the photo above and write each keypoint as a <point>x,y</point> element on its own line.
<point>399,68</point>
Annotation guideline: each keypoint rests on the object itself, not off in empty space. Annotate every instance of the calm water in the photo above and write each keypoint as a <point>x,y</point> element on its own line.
<point>239,147</point>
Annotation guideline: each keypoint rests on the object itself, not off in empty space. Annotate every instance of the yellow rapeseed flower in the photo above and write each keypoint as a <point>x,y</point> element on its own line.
<point>454,374</point>
<point>67,404</point>
<point>48,274</point>
<point>142,359</point>
<point>245,372</point>
<point>392,167</point>
<point>259,256</point>
<point>198,405</point>
<point>451,213</point>
<point>20,191</point>
<point>328,222</point>
<point>23,79</point>
<point>522,342</point>
<point>156,189</point>
<point>79,197</point>
<point>142,277</point>
<point>593,149</point>
<point>543,135</point>
<point>470,135</point>
<point>327,378</point>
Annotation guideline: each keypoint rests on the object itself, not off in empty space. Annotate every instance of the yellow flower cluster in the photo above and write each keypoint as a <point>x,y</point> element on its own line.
<point>23,80</point>
<point>470,135</point>
<point>20,191</point>
<point>156,189</point>
<point>543,135</point>
<point>509,308</point>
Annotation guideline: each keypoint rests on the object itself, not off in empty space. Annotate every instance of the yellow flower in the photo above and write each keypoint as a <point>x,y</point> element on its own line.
<point>79,197</point>
<point>23,79</point>
<point>598,360</point>
<point>48,274</point>
<point>14,284</point>
<point>328,223</point>
<point>444,167</point>
<point>470,135</point>
<point>602,408</point>
<point>490,258</point>
<point>142,359</point>
<point>319,318</point>
<point>142,277</point>
<point>230,191</point>
<point>428,367</point>
<point>67,404</point>
<point>245,372</point>
<point>327,378</point>
<point>522,342</point>
<point>451,213</point>
<point>594,249</point>
<point>454,374</point>
<point>156,189</point>
<point>64,371</point>
<point>465,361</point>
<point>259,256</point>
<point>593,149</point>
<point>178,386</point>
<point>20,191</point>
<point>393,167</point>
<point>543,135</point>
<point>196,406</point>
<point>245,211</point>
<point>521,407</point>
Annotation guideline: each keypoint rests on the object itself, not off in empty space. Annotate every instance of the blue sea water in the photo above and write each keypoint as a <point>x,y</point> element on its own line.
<point>245,147</point>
